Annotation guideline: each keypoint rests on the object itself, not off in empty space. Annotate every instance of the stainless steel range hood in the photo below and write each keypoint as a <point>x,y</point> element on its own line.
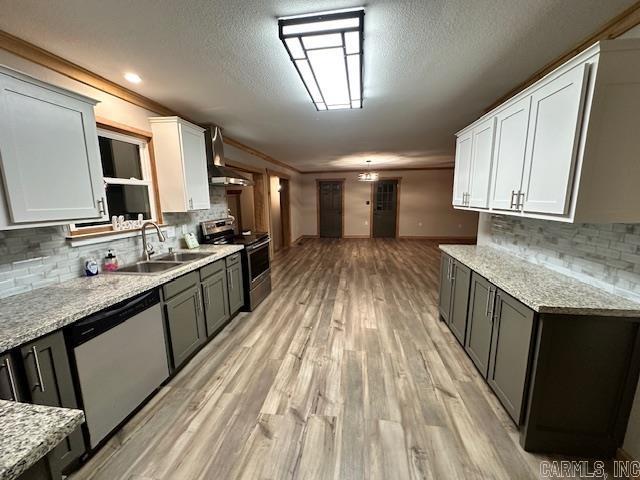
<point>220,174</point>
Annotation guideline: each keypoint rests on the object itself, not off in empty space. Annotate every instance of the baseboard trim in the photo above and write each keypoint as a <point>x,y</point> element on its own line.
<point>355,236</point>
<point>458,240</point>
<point>624,456</point>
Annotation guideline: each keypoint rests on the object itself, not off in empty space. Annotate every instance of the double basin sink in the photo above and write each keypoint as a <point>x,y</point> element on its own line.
<point>162,263</point>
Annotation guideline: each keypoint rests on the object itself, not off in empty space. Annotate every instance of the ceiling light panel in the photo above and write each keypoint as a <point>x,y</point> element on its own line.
<point>326,49</point>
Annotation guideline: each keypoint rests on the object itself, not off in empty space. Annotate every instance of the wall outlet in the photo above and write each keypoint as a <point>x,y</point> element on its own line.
<point>366,222</point>
<point>185,229</point>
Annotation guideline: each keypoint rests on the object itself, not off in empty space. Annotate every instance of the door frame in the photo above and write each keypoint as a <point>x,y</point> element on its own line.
<point>342,182</point>
<point>372,202</point>
<point>285,208</point>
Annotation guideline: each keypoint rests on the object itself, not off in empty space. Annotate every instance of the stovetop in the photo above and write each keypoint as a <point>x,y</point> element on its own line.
<point>221,232</point>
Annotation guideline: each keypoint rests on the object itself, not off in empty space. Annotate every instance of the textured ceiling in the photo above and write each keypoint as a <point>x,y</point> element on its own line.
<point>430,66</point>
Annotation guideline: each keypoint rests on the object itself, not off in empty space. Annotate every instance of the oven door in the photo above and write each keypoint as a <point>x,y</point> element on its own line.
<point>258,261</point>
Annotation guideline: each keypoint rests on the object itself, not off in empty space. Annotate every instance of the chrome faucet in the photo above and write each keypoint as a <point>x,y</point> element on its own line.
<point>147,248</point>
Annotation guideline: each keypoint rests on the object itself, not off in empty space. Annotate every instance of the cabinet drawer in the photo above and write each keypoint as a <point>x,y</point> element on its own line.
<point>212,269</point>
<point>232,259</point>
<point>180,284</point>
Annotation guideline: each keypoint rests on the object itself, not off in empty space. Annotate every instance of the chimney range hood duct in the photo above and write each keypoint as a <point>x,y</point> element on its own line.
<point>218,172</point>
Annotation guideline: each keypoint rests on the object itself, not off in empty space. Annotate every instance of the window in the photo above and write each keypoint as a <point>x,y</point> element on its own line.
<point>126,169</point>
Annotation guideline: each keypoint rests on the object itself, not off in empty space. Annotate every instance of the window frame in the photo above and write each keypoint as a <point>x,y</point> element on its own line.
<point>147,166</point>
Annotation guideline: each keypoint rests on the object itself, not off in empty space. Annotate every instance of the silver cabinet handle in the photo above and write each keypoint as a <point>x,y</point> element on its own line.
<point>36,360</point>
<point>206,296</point>
<point>230,275</point>
<point>493,304</point>
<point>513,203</point>
<point>486,309</point>
<point>520,203</point>
<point>101,207</point>
<point>198,303</point>
<point>448,269</point>
<point>12,380</point>
<point>453,270</point>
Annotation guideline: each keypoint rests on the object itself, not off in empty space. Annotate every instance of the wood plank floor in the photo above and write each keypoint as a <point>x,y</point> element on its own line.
<point>344,372</point>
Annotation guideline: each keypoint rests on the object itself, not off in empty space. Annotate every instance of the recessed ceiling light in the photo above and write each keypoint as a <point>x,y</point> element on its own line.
<point>326,49</point>
<point>132,77</point>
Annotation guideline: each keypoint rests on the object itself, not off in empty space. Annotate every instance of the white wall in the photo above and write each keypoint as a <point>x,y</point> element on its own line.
<point>424,205</point>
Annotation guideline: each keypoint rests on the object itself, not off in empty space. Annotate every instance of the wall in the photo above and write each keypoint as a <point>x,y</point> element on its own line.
<point>424,210</point>
<point>37,257</point>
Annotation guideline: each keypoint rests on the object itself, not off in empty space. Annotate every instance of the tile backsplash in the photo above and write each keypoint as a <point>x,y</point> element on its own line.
<point>604,255</point>
<point>32,258</point>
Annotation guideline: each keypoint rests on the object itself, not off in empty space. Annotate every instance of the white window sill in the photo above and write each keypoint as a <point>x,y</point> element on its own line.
<point>80,240</point>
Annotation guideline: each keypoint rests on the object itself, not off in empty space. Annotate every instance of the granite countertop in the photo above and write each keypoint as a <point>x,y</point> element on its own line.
<point>28,432</point>
<point>30,315</point>
<point>538,287</point>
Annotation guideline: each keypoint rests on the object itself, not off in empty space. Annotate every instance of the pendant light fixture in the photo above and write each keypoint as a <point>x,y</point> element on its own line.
<point>368,175</point>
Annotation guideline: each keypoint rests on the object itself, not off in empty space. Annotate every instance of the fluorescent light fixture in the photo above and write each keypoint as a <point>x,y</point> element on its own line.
<point>326,49</point>
<point>132,77</point>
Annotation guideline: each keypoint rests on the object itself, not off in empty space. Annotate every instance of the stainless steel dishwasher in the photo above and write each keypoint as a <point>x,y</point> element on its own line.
<point>120,360</point>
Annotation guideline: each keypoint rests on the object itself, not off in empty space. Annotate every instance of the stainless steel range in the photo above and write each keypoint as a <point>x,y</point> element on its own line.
<point>256,264</point>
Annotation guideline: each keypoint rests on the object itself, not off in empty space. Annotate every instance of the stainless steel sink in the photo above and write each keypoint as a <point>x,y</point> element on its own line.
<point>182,256</point>
<point>148,268</point>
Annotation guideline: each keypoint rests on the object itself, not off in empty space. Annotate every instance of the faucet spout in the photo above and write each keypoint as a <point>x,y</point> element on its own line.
<point>146,251</point>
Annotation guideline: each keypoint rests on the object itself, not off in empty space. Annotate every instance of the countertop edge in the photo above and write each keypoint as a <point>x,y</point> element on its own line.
<point>449,249</point>
<point>149,283</point>
<point>37,452</point>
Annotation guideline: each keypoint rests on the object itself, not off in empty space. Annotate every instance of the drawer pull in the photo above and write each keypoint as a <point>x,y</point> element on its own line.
<point>36,360</point>
<point>12,380</point>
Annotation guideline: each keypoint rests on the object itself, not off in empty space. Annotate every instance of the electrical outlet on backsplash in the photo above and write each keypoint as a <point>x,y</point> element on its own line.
<point>33,258</point>
<point>603,255</point>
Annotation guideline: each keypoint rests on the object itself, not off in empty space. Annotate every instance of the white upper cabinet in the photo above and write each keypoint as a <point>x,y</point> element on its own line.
<point>181,164</point>
<point>556,116</point>
<point>566,147</point>
<point>462,169</point>
<point>512,125</point>
<point>482,147</point>
<point>49,154</point>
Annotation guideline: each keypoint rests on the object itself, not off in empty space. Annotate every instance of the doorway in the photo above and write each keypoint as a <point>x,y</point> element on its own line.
<point>385,209</point>
<point>330,203</point>
<point>279,211</point>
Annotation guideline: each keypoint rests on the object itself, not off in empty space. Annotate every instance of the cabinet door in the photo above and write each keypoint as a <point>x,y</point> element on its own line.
<point>480,322</point>
<point>445,286</point>
<point>511,143</point>
<point>216,301</point>
<point>555,120</point>
<point>49,154</point>
<point>185,319</point>
<point>195,168</point>
<point>9,389</point>
<point>461,278</point>
<point>49,382</point>
<point>481,159</point>
<point>462,170</point>
<point>511,344</point>
<point>236,290</point>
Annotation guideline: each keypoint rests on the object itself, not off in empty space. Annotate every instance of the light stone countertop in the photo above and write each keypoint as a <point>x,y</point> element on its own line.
<point>540,288</point>
<point>30,315</point>
<point>28,432</point>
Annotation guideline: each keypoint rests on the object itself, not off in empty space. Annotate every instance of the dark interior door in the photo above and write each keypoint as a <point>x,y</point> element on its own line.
<point>384,208</point>
<point>330,202</point>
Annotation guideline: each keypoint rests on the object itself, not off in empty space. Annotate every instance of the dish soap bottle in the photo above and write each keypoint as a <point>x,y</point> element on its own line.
<point>110,261</point>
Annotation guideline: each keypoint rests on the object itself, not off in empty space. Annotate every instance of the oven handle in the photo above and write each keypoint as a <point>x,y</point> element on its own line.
<point>258,245</point>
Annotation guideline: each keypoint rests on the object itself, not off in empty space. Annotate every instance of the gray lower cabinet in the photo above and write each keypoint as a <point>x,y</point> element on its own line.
<point>477,342</point>
<point>235,287</point>
<point>49,382</point>
<point>446,286</point>
<point>8,379</point>
<point>510,352</point>
<point>461,280</point>
<point>186,324</point>
<point>216,301</point>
